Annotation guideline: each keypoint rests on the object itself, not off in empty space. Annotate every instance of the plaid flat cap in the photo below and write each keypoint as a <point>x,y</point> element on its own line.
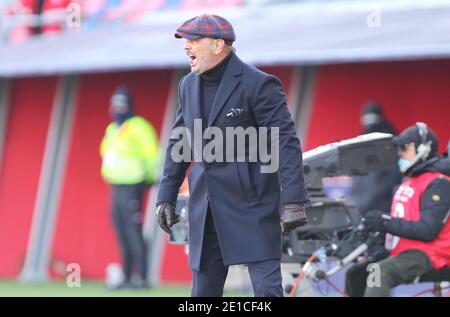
<point>207,25</point>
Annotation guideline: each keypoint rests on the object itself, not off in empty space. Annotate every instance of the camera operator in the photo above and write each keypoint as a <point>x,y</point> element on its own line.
<point>418,229</point>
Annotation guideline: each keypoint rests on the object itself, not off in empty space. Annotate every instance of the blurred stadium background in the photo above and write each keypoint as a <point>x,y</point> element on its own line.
<point>61,60</point>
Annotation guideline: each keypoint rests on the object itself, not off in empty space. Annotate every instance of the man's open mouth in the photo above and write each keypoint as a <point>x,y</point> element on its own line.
<point>192,58</point>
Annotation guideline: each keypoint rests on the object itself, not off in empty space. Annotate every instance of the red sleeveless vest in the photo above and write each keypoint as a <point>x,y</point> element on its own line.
<point>406,205</point>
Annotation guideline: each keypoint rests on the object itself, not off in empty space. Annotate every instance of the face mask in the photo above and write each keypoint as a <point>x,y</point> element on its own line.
<point>404,165</point>
<point>120,112</point>
<point>370,119</point>
<point>120,118</point>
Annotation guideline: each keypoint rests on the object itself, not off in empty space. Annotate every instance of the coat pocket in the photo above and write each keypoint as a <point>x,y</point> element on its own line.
<point>235,119</point>
<point>244,176</point>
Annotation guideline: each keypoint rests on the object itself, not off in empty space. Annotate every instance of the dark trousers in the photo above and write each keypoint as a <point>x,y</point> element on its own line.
<point>402,268</point>
<point>127,219</point>
<point>209,281</point>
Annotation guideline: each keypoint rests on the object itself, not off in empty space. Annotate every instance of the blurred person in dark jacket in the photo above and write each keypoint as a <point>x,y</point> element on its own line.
<point>375,190</point>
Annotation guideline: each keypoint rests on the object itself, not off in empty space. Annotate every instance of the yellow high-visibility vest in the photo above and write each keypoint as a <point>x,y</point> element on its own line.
<point>130,152</point>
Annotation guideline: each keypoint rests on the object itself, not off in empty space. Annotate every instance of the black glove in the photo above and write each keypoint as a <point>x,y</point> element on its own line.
<point>166,215</point>
<point>375,221</point>
<point>292,216</point>
<point>377,253</point>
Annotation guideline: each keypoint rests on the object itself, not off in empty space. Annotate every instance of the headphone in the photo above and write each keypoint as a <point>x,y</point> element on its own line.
<point>424,148</point>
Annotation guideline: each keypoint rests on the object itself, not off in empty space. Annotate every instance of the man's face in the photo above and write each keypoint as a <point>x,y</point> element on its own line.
<point>118,108</point>
<point>407,151</point>
<point>369,119</point>
<point>202,54</point>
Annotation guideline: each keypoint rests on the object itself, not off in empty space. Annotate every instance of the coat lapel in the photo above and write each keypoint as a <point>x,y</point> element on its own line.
<point>195,99</point>
<point>228,83</point>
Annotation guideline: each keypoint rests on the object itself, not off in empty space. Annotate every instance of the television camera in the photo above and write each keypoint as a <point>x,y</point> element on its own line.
<point>334,222</point>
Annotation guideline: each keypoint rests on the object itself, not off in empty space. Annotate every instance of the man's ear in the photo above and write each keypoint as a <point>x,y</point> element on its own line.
<point>219,46</point>
<point>412,146</point>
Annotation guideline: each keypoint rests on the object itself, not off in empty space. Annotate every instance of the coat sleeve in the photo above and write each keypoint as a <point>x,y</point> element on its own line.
<point>434,214</point>
<point>105,142</point>
<point>174,172</point>
<point>270,111</point>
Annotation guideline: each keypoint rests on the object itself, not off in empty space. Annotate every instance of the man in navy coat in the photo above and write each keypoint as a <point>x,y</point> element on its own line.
<point>236,206</point>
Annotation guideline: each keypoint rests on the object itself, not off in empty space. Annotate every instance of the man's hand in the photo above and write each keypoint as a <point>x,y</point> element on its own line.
<point>292,216</point>
<point>375,220</point>
<point>166,215</point>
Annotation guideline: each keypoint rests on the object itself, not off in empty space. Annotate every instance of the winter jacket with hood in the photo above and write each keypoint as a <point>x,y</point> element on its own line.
<point>433,215</point>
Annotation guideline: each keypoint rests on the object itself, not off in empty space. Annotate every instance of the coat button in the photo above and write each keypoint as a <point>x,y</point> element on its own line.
<point>206,196</point>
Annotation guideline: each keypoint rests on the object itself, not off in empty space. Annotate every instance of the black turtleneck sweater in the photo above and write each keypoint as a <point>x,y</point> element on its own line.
<point>210,84</point>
